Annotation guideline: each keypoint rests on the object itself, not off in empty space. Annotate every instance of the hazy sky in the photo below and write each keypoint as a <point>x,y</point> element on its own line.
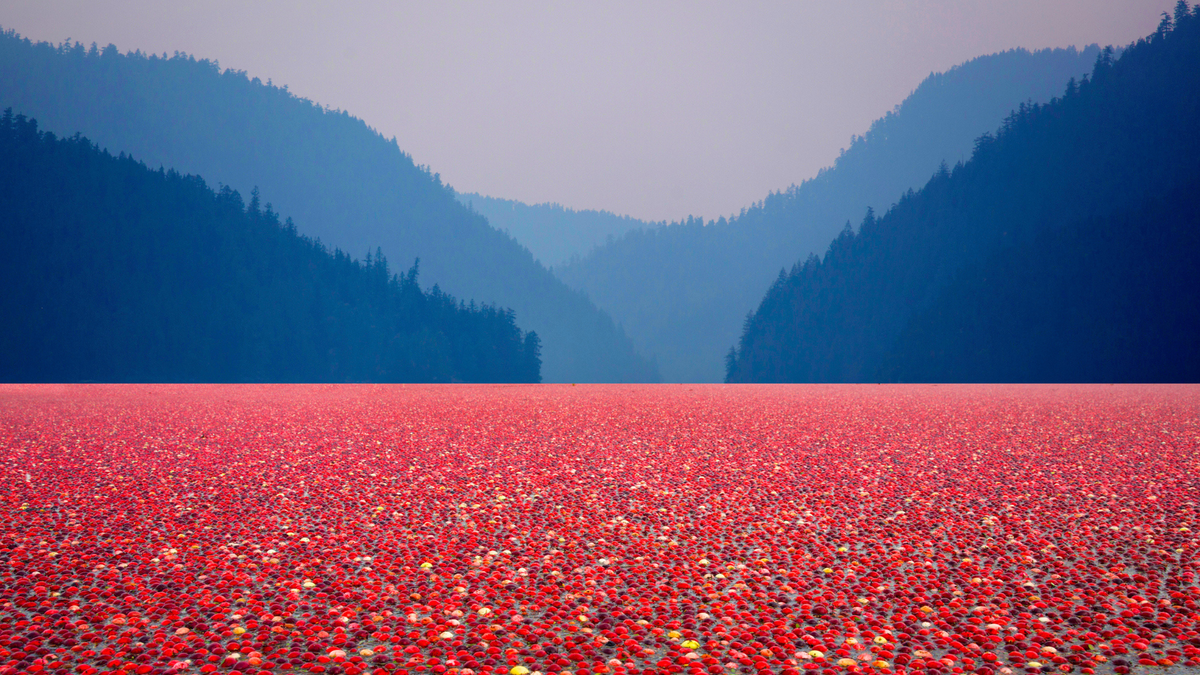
<point>652,109</point>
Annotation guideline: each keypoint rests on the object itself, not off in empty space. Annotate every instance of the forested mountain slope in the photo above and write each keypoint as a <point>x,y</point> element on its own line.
<point>682,291</point>
<point>553,233</point>
<point>113,272</point>
<point>339,180</point>
<point>1106,299</point>
<point>983,250</point>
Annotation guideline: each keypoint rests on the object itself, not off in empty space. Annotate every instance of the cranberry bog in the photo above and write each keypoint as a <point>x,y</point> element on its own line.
<point>824,530</point>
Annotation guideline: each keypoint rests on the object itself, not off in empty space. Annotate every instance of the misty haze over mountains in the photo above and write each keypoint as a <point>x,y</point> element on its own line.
<point>1028,216</point>
<point>554,234</point>
<point>339,180</point>
<point>682,291</point>
<point>1065,249</point>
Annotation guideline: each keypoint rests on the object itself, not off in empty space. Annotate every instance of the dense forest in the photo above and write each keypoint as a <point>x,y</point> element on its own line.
<point>1107,299</point>
<point>114,272</point>
<point>682,291</point>
<point>1064,249</point>
<point>340,180</point>
<point>556,235</point>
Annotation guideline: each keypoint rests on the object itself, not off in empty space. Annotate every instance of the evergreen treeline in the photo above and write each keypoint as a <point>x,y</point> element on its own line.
<point>113,272</point>
<point>1059,251</point>
<point>682,291</point>
<point>556,235</point>
<point>339,179</point>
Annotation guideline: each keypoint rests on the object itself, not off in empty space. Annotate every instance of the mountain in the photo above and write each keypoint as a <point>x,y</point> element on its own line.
<point>1106,299</point>
<point>339,180</point>
<point>554,234</point>
<point>1068,239</point>
<point>682,291</point>
<point>117,273</point>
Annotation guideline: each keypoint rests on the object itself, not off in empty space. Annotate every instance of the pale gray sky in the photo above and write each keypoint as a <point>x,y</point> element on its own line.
<point>653,109</point>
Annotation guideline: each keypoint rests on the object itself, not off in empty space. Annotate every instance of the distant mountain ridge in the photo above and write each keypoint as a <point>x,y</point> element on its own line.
<point>556,235</point>
<point>681,291</point>
<point>113,272</point>
<point>339,180</point>
<point>1064,249</point>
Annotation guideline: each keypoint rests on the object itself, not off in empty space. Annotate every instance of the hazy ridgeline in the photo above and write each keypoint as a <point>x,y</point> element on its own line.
<point>340,181</point>
<point>682,291</point>
<point>1060,247</point>
<point>113,272</point>
<point>1065,249</point>
<point>554,234</point>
